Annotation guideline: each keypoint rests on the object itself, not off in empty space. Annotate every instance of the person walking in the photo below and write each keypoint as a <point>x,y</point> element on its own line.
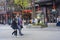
<point>58,21</point>
<point>14,26</point>
<point>20,26</point>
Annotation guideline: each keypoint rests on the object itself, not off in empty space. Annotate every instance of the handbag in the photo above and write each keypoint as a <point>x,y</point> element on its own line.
<point>21,26</point>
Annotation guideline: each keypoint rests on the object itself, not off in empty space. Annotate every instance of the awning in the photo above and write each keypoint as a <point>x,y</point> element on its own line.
<point>27,11</point>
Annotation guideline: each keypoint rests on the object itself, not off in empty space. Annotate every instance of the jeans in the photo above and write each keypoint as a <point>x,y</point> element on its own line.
<point>19,29</point>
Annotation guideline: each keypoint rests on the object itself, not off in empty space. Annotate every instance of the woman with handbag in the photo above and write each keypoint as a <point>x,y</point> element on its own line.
<point>14,26</point>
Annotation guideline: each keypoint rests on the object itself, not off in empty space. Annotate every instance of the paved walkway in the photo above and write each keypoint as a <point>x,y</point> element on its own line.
<point>50,33</point>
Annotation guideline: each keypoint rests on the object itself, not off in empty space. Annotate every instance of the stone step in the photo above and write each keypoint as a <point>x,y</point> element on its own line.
<point>52,25</point>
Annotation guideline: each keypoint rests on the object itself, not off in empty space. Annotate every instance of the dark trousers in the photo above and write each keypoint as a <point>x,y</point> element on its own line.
<point>58,24</point>
<point>14,32</point>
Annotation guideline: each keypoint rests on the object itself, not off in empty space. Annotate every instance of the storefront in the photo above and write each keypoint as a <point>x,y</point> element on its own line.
<point>52,15</point>
<point>3,17</point>
<point>51,10</point>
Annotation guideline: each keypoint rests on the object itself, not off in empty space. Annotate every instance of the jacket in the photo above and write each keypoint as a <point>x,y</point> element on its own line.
<point>14,24</point>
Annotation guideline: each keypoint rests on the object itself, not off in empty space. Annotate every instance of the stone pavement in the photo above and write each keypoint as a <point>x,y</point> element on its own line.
<point>50,33</point>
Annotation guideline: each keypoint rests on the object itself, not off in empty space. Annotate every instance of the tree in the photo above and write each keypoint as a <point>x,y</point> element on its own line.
<point>23,3</point>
